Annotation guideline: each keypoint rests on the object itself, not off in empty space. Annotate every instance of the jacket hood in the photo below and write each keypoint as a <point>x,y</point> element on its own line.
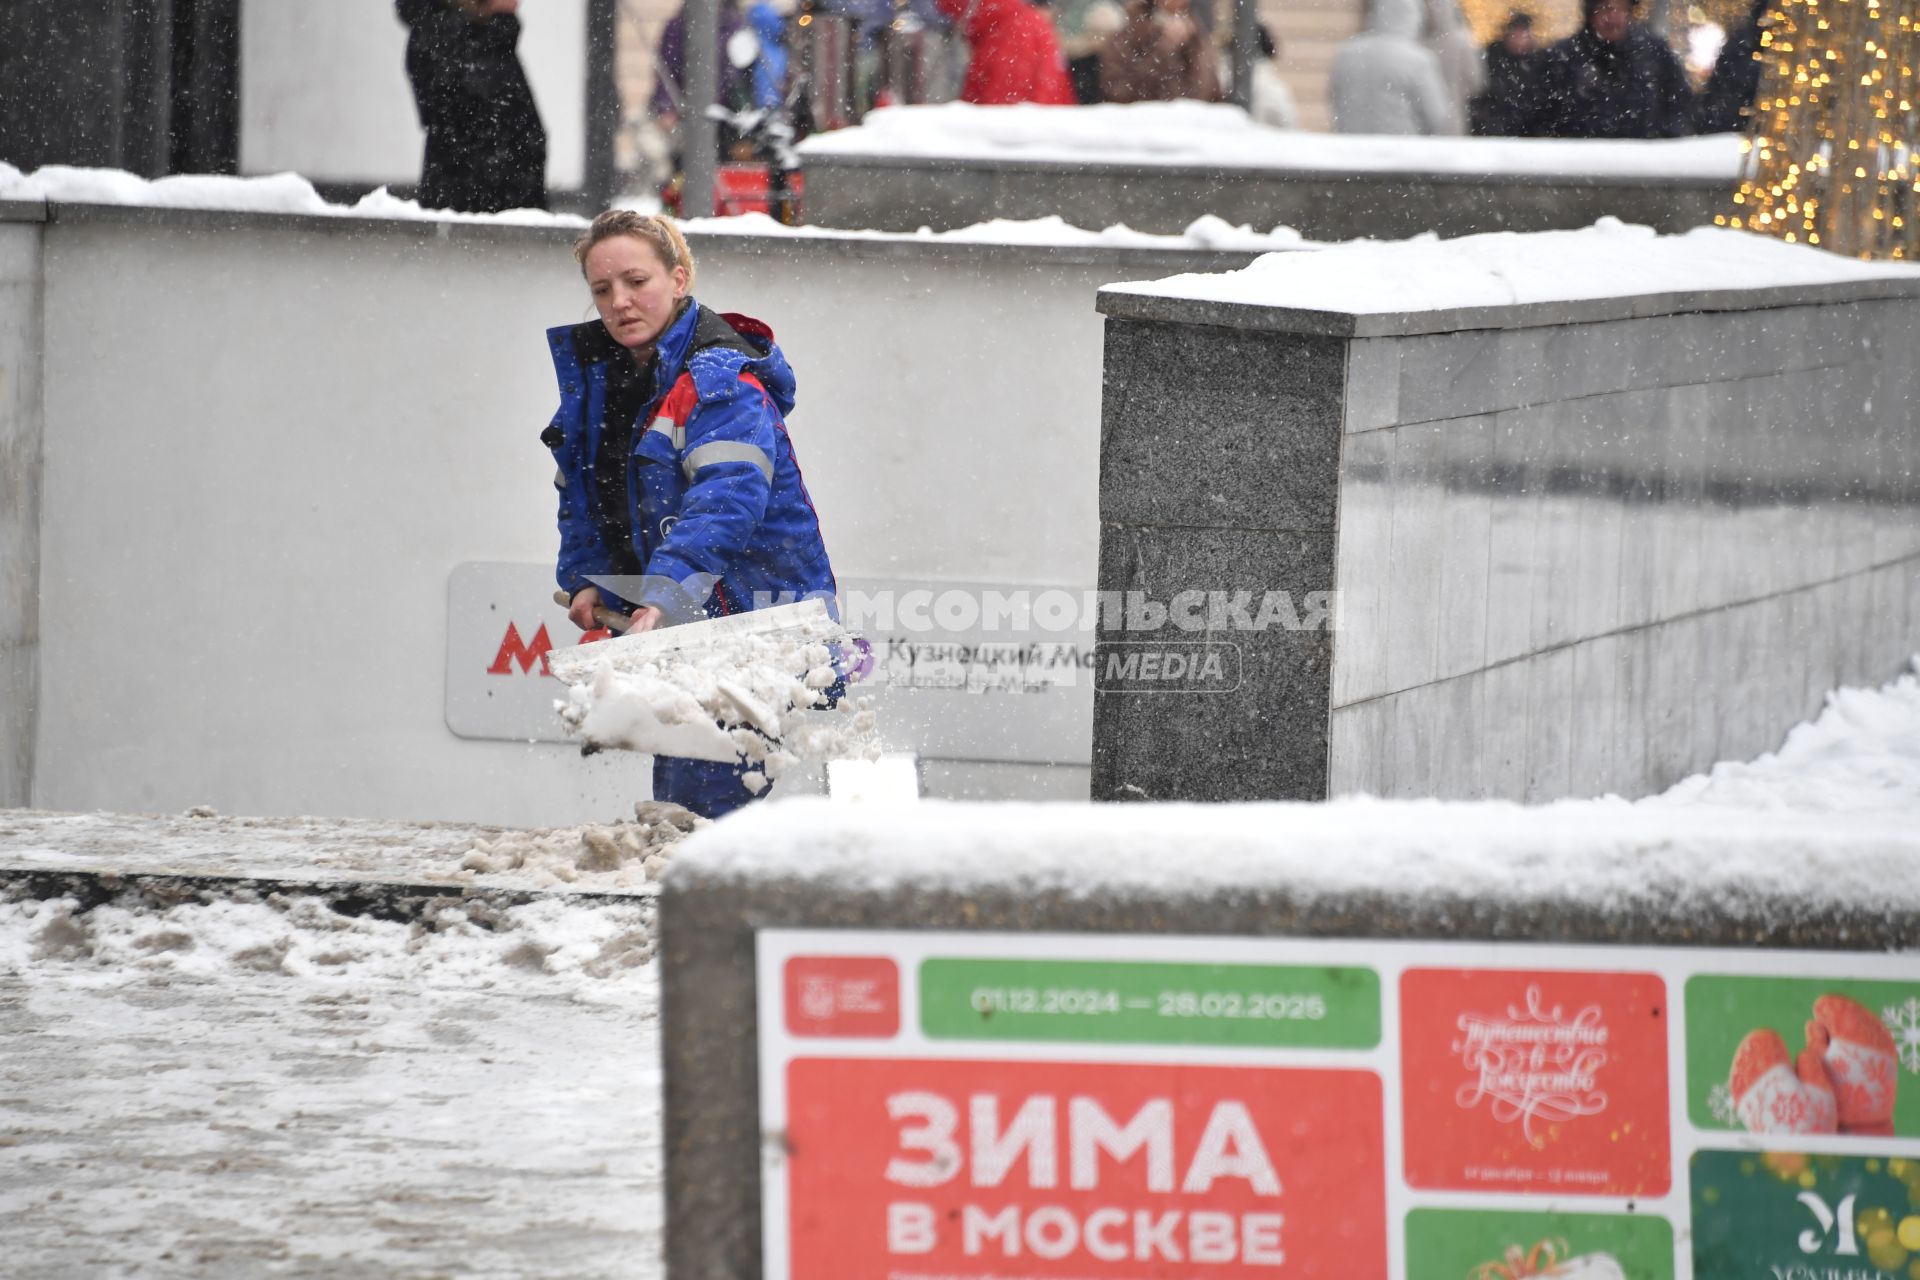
<point>1405,18</point>
<point>714,348</point>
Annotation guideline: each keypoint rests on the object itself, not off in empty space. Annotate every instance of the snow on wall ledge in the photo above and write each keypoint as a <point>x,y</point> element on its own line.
<point>1827,826</point>
<point>291,194</point>
<point>1203,135</point>
<point>1540,275</point>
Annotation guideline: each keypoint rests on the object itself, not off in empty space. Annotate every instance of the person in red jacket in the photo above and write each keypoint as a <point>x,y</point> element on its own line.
<point>1016,57</point>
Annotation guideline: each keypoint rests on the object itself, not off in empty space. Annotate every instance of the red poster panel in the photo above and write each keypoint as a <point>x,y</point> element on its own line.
<point>1535,1081</point>
<point>910,1170</point>
<point>845,996</point>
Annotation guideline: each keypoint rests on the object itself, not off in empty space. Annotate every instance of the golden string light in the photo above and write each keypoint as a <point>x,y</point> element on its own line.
<point>1830,152</point>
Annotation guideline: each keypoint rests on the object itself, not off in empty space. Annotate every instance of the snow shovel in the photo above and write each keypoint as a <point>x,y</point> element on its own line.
<point>575,664</point>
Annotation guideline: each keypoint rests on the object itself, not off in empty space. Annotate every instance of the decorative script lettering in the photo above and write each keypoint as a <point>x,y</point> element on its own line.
<point>1536,1065</point>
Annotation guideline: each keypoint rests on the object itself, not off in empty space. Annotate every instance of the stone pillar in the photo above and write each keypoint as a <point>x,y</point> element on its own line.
<point>1219,469</point>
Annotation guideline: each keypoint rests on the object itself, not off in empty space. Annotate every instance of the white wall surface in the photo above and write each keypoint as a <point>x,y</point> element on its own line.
<point>323,90</point>
<point>267,447</point>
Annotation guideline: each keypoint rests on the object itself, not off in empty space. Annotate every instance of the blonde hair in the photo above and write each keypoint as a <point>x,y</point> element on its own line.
<point>651,228</point>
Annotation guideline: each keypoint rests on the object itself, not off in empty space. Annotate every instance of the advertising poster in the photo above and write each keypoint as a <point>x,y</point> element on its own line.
<point>978,1106</point>
<point>1530,1080</point>
<point>1804,1056</point>
<point>1805,1217</point>
<point>1477,1244</point>
<point>930,1169</point>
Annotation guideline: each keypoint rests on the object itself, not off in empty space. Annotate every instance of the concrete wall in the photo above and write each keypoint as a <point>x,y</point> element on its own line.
<point>323,90</point>
<point>265,458</point>
<point>1663,540</point>
<point>20,436</point>
<point>1577,549</point>
<point>896,193</point>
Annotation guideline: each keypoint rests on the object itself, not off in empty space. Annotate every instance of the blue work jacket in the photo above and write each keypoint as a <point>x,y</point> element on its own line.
<point>719,514</point>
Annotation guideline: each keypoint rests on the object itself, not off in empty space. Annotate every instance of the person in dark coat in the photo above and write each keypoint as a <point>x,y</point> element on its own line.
<point>486,148</point>
<point>1504,109</point>
<point>1736,76</point>
<point>1613,79</point>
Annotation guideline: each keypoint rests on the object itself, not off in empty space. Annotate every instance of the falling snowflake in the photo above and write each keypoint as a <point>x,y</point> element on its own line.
<point>1903,1020</point>
<point>1720,1104</point>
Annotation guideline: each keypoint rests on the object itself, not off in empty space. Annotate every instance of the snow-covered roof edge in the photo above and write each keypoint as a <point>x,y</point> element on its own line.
<point>58,194</point>
<point>1170,137</point>
<point>1510,280</point>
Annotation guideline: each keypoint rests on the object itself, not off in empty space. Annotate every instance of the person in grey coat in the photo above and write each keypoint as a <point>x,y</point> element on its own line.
<point>1451,40</point>
<point>1385,80</point>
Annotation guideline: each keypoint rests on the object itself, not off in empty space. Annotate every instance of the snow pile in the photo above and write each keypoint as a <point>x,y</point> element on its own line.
<point>470,944</point>
<point>623,855</point>
<point>1610,259</point>
<point>1203,233</point>
<point>748,696</point>
<point>278,193</point>
<point>1213,136</point>
<point>1831,821</point>
<point>1860,758</point>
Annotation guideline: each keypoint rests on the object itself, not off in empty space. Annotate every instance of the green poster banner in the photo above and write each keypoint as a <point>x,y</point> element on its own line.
<point>1803,1055</point>
<point>1461,1244</point>
<point>1805,1217</point>
<point>1141,1002</point>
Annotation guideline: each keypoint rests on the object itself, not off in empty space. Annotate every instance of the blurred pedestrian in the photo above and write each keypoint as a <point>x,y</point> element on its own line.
<point>1015,55</point>
<point>1508,105</point>
<point>1730,91</point>
<point>1084,27</point>
<point>1451,40</point>
<point>486,148</point>
<point>733,85</point>
<point>1613,79</point>
<point>1159,55</point>
<point>1384,80</point>
<point>1272,101</point>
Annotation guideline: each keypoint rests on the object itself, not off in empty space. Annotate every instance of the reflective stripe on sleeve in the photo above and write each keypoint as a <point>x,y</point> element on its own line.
<point>672,430</point>
<point>727,451</point>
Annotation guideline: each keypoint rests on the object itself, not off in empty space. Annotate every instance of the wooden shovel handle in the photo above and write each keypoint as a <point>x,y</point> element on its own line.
<point>614,622</point>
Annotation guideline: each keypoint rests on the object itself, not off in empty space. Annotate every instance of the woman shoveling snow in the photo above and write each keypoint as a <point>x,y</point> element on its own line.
<point>680,499</point>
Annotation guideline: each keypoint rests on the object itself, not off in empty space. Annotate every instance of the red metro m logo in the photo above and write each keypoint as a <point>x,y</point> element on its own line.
<point>513,649</point>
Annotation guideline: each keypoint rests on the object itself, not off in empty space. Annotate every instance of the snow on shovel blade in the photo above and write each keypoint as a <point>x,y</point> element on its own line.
<point>727,689</point>
<point>575,665</point>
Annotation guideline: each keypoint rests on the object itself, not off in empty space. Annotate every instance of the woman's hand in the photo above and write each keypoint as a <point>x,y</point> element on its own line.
<point>581,610</point>
<point>646,619</point>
